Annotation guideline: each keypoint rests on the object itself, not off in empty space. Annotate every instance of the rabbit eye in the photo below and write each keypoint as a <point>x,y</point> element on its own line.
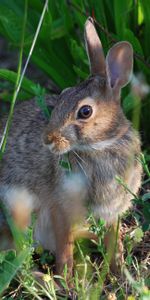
<point>85,112</point>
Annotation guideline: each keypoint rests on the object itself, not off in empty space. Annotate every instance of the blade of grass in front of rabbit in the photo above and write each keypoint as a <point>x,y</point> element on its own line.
<point>10,116</point>
<point>20,75</point>
<point>121,182</point>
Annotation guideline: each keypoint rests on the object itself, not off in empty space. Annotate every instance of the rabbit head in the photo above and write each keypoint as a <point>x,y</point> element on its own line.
<point>89,115</point>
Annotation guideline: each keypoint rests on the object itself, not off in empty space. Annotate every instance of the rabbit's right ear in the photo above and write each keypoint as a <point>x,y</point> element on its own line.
<point>119,64</point>
<point>94,49</point>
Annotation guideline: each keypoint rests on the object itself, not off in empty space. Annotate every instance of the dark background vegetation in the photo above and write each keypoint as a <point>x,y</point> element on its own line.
<point>59,60</point>
<point>59,54</point>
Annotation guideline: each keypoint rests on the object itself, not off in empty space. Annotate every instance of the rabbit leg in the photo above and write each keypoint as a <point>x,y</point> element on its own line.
<point>64,241</point>
<point>86,234</point>
<point>114,247</point>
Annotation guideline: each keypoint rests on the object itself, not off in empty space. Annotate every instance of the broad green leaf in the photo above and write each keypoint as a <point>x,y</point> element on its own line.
<point>109,7</point>
<point>146,197</point>
<point>6,96</point>
<point>58,29</point>
<point>80,73</point>
<point>146,226</point>
<point>78,52</point>
<point>146,211</point>
<point>52,72</point>
<point>12,24</point>
<point>27,84</point>
<point>79,12</point>
<point>46,26</point>
<point>130,36</point>
<point>140,14</point>
<point>16,6</point>
<point>68,20</point>
<point>9,268</point>
<point>128,103</point>
<point>146,12</point>
<point>35,4</point>
<point>121,11</point>
<point>138,235</point>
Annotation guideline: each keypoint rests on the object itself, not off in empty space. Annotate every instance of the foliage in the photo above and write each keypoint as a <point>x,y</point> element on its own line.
<point>59,50</point>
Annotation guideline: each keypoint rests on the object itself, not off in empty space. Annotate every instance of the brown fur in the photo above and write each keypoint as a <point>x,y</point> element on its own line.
<point>99,148</point>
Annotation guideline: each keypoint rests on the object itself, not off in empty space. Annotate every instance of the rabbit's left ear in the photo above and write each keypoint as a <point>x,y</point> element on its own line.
<point>119,64</point>
<point>94,49</point>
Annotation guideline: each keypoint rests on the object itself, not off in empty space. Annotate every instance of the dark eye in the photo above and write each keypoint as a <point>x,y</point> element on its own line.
<point>85,112</point>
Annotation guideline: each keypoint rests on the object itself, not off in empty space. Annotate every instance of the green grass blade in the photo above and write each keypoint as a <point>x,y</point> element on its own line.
<point>20,75</point>
<point>9,120</point>
<point>11,76</point>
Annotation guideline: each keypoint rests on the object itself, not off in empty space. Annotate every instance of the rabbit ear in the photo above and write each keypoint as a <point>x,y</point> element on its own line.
<point>119,64</point>
<point>94,49</point>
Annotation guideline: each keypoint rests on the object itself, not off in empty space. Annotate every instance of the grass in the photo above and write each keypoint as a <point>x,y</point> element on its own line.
<point>92,278</point>
<point>27,273</point>
<point>20,276</point>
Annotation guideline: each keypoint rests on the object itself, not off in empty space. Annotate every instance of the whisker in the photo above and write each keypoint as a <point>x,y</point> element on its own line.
<point>80,165</point>
<point>79,156</point>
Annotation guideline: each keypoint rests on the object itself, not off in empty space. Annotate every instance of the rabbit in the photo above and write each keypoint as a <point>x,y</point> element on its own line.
<point>87,123</point>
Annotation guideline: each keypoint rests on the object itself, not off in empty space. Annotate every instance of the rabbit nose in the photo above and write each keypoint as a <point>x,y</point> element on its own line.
<point>56,142</point>
<point>50,138</point>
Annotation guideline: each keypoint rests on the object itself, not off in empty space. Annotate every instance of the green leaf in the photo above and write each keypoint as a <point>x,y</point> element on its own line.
<point>68,20</point>
<point>27,85</point>
<point>12,24</point>
<point>79,17</point>
<point>64,163</point>
<point>78,52</point>
<point>50,70</point>
<point>10,266</point>
<point>129,259</point>
<point>121,10</point>
<point>146,197</point>
<point>138,235</point>
<point>7,97</point>
<point>58,29</point>
<point>47,23</point>
<point>80,73</point>
<point>128,103</point>
<point>146,211</point>
<point>146,226</point>
<point>146,12</point>
<point>129,35</point>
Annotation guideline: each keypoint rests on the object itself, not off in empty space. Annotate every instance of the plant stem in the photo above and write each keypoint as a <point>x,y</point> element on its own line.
<point>19,75</point>
<point>10,116</point>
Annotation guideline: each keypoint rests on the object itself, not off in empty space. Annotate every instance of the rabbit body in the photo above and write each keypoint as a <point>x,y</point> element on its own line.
<point>100,148</point>
<point>32,170</point>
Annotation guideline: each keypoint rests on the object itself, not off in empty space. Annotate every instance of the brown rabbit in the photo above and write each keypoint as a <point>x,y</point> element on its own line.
<point>87,123</point>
